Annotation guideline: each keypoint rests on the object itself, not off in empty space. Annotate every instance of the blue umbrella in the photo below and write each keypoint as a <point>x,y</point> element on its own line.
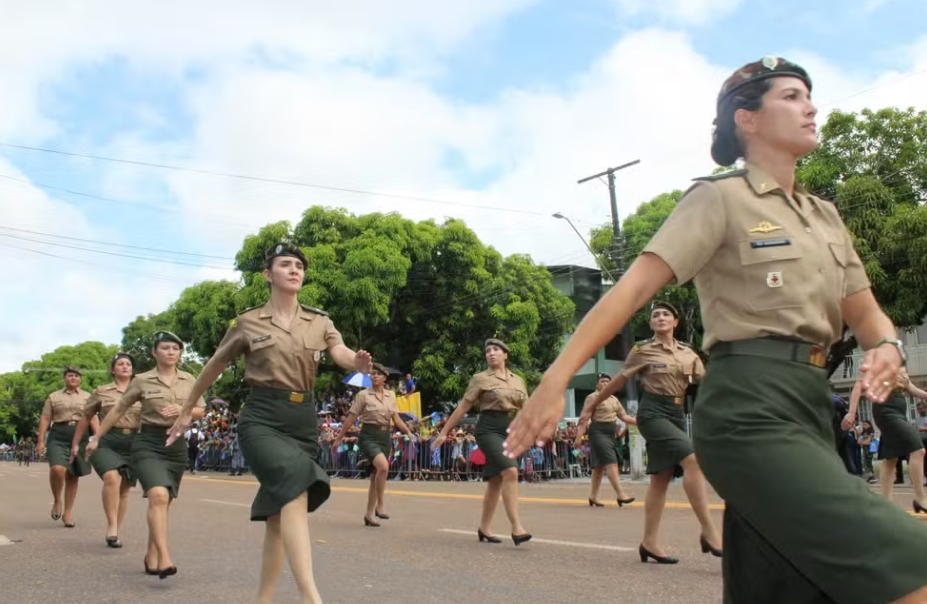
<point>405,415</point>
<point>358,380</point>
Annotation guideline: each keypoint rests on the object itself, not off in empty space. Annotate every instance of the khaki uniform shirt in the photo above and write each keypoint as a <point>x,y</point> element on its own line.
<point>372,409</point>
<point>607,411</point>
<point>64,406</point>
<point>277,357</point>
<point>763,264</point>
<point>664,370</point>
<point>104,399</point>
<point>497,391</point>
<point>156,395</point>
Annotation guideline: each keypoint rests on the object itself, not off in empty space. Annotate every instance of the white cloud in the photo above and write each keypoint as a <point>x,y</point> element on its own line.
<point>325,123</point>
<point>690,12</point>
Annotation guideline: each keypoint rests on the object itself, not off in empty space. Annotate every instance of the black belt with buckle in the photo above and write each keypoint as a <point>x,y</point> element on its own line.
<point>125,430</point>
<point>72,423</point>
<point>277,393</point>
<point>773,348</point>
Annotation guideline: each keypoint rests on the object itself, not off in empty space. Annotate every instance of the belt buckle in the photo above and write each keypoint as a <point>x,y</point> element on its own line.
<point>125,431</point>
<point>817,356</point>
<point>296,397</point>
<point>72,423</point>
<point>383,428</point>
<point>677,400</point>
<point>513,413</point>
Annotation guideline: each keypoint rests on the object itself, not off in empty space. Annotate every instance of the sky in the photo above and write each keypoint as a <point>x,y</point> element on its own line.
<point>484,110</point>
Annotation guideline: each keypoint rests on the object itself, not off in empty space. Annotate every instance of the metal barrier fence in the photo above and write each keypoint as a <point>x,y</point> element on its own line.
<point>455,460</point>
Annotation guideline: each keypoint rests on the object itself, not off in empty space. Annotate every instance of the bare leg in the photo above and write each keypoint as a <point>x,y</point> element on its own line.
<point>595,484</point>
<point>124,489</point>
<point>887,477</point>
<point>151,556</point>
<point>693,482</point>
<point>382,474</point>
<point>371,495</point>
<point>510,499</point>
<point>611,470</point>
<point>111,501</point>
<point>158,501</point>
<point>294,531</point>
<point>490,501</point>
<point>56,479</point>
<point>70,495</point>
<point>916,470</point>
<point>271,560</point>
<point>653,510</point>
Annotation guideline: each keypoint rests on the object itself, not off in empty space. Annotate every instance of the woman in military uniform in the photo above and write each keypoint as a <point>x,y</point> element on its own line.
<point>666,368</point>
<point>899,437</point>
<point>111,459</point>
<point>282,343</point>
<point>376,407</point>
<point>598,420</point>
<point>158,467</point>
<point>63,409</point>
<point>777,277</point>
<point>499,393</point>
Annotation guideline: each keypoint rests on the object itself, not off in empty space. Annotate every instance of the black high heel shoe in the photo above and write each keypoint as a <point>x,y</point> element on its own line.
<point>170,571</point>
<point>484,537</point>
<point>369,522</point>
<point>113,542</point>
<point>706,547</point>
<point>595,503</point>
<point>519,539</point>
<point>918,508</point>
<point>624,502</point>
<point>149,571</point>
<point>381,516</point>
<point>646,553</point>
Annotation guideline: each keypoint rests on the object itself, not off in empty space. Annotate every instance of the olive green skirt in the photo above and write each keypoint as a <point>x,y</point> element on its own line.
<point>115,453</point>
<point>899,436</point>
<point>280,440</point>
<point>602,444</point>
<point>155,465</point>
<point>490,433</point>
<point>58,450</point>
<point>375,440</point>
<point>663,425</point>
<point>798,528</point>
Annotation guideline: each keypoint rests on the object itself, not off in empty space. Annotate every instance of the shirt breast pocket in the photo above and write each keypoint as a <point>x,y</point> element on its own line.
<point>261,343</point>
<point>772,273</point>
<point>840,254</point>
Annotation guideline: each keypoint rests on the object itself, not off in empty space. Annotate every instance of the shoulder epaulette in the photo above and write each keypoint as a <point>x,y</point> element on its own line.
<point>250,308</point>
<point>317,311</point>
<point>637,345</point>
<point>686,344</point>
<point>721,175</point>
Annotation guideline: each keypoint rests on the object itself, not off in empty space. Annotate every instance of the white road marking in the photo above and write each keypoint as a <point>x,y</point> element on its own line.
<point>611,548</point>
<point>242,505</point>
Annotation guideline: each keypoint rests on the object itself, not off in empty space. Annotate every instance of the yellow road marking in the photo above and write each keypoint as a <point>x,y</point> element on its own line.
<point>435,495</point>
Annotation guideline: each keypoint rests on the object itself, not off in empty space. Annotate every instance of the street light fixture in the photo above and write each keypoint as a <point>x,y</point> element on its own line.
<point>560,216</point>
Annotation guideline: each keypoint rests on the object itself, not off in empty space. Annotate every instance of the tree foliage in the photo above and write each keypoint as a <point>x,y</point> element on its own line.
<point>23,393</point>
<point>420,297</point>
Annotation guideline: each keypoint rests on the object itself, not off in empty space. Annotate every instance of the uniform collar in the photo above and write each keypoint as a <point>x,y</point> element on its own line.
<point>762,183</point>
<point>676,345</point>
<point>302,313</point>
<point>66,391</point>
<point>505,374</point>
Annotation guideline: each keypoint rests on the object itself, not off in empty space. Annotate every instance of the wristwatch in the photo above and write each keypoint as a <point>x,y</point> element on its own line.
<point>897,344</point>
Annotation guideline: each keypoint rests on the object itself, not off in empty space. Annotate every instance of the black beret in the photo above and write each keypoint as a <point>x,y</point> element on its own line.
<point>167,336</point>
<point>666,305</point>
<point>283,248</point>
<point>495,342</point>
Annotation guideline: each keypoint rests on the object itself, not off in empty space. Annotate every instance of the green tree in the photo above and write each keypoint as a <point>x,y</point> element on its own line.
<point>26,390</point>
<point>637,230</point>
<point>138,338</point>
<point>420,297</point>
<point>873,165</point>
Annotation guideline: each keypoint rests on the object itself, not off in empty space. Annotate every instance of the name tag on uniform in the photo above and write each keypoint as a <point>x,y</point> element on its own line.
<point>770,243</point>
<point>659,365</point>
<point>154,393</point>
<point>261,339</point>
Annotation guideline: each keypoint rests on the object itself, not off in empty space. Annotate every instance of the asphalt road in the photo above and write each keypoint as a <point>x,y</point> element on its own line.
<point>427,552</point>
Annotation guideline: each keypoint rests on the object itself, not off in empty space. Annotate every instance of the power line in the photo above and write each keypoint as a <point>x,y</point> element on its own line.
<point>93,241</point>
<point>265,179</point>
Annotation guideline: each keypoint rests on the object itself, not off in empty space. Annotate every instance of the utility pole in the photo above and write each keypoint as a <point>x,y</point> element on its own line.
<point>618,258</point>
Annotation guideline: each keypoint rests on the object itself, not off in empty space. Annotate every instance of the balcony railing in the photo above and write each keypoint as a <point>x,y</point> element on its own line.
<point>916,367</point>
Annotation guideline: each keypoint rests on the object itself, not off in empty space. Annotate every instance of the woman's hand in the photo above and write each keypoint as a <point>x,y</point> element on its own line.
<point>538,420</point>
<point>91,447</point>
<point>849,422</point>
<point>363,362</point>
<point>180,427</point>
<point>879,371</point>
<point>75,450</point>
